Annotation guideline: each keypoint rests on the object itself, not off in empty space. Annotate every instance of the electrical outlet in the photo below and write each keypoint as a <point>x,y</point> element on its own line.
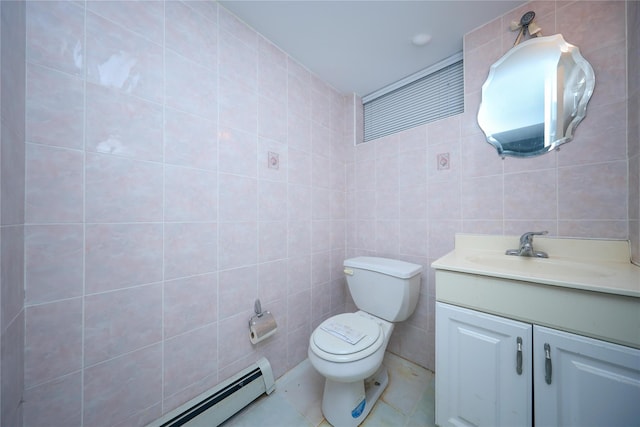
<point>273,160</point>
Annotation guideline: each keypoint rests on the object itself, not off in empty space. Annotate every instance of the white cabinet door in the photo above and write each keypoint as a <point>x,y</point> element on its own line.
<point>477,379</point>
<point>592,382</point>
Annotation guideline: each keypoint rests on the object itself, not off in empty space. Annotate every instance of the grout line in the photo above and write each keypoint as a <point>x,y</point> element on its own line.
<point>84,217</point>
<point>164,205</point>
<point>217,272</point>
<point>24,210</point>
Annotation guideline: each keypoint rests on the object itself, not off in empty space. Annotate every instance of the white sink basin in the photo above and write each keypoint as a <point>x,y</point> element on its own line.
<point>587,264</point>
<point>552,267</point>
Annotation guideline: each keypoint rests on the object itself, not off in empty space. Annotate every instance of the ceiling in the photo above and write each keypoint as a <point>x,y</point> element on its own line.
<point>362,46</point>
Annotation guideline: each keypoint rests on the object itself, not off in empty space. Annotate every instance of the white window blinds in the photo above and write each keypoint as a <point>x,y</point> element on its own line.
<point>434,95</point>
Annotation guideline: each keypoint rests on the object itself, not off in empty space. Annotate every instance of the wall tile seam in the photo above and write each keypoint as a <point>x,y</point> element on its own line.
<point>130,159</point>
<point>18,224</point>
<point>448,141</point>
<point>176,166</point>
<point>219,130</point>
<point>203,15</point>
<point>254,46</point>
<point>139,223</point>
<point>83,81</point>
<point>520,219</point>
<point>589,51</point>
<point>590,164</point>
<point>268,177</point>
<point>327,91</point>
<point>166,338</point>
<point>528,171</point>
<point>482,28</point>
<point>251,177</point>
<point>605,103</point>
<point>561,221</point>
<point>33,144</point>
<point>86,366</point>
<point>564,163</point>
<point>608,42</point>
<point>266,57</point>
<point>13,320</point>
<point>119,92</point>
<point>263,94</point>
<point>53,380</point>
<point>166,107</point>
<point>483,47</point>
<point>32,304</point>
<point>162,45</point>
<point>247,266</point>
<point>36,304</point>
<point>89,10</point>
<point>589,220</point>
<point>315,151</point>
<point>305,94</point>
<point>78,76</point>
<point>465,179</point>
<point>177,109</point>
<point>134,286</point>
<point>316,122</point>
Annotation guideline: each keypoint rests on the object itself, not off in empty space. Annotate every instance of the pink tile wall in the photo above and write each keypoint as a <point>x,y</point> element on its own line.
<point>401,204</point>
<point>12,213</point>
<point>153,221</point>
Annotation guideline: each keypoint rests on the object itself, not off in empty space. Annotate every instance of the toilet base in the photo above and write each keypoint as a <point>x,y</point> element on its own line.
<point>348,404</point>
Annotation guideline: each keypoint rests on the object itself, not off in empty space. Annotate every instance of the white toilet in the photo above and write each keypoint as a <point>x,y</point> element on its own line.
<point>347,349</point>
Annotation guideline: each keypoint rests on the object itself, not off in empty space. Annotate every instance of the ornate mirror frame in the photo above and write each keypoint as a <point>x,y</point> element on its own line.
<point>535,96</point>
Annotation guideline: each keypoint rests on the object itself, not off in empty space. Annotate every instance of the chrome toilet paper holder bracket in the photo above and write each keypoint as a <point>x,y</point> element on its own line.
<point>257,307</point>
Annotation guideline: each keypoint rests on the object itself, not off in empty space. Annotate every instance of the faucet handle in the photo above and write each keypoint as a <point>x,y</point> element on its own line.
<point>528,236</point>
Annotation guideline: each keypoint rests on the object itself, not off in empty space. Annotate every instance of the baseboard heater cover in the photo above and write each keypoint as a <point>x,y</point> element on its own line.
<point>218,404</point>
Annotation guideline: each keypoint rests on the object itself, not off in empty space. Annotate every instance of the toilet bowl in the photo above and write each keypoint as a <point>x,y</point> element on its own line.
<point>339,360</point>
<point>348,349</point>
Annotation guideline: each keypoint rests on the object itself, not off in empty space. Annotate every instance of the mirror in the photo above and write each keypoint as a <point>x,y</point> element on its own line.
<point>535,96</point>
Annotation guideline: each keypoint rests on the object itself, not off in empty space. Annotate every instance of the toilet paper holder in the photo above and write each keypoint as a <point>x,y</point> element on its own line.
<point>262,325</point>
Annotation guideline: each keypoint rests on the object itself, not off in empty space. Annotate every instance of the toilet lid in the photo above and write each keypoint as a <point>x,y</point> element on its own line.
<point>361,331</point>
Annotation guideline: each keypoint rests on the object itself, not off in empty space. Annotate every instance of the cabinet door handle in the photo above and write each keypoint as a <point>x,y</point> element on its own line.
<point>519,356</point>
<point>547,363</point>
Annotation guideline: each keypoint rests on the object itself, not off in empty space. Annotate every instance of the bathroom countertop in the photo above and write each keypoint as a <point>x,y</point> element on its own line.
<point>587,287</point>
<point>586,264</point>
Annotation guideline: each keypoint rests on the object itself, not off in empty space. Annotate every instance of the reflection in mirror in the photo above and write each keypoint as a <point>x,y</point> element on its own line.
<point>535,96</point>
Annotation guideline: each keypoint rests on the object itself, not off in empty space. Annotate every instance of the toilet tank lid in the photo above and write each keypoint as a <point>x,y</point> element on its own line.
<point>391,267</point>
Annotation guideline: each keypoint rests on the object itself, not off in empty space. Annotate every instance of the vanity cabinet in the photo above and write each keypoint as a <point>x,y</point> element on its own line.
<point>495,371</point>
<point>476,379</point>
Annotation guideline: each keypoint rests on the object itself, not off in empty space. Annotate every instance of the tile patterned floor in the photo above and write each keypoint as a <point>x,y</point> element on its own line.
<point>409,400</point>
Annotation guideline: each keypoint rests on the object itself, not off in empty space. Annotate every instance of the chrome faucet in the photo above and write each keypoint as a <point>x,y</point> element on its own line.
<point>526,246</point>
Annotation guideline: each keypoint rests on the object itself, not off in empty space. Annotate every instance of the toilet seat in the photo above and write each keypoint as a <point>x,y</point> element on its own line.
<point>334,349</point>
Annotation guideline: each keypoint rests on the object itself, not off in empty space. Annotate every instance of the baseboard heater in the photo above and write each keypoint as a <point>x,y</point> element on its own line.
<point>215,406</point>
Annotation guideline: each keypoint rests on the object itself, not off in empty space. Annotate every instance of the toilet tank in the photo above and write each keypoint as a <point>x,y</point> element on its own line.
<point>386,288</point>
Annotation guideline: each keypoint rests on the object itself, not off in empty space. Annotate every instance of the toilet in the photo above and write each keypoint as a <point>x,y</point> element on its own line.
<point>347,349</point>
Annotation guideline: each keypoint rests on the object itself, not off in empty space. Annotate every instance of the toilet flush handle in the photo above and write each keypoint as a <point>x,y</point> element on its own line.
<point>348,272</point>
